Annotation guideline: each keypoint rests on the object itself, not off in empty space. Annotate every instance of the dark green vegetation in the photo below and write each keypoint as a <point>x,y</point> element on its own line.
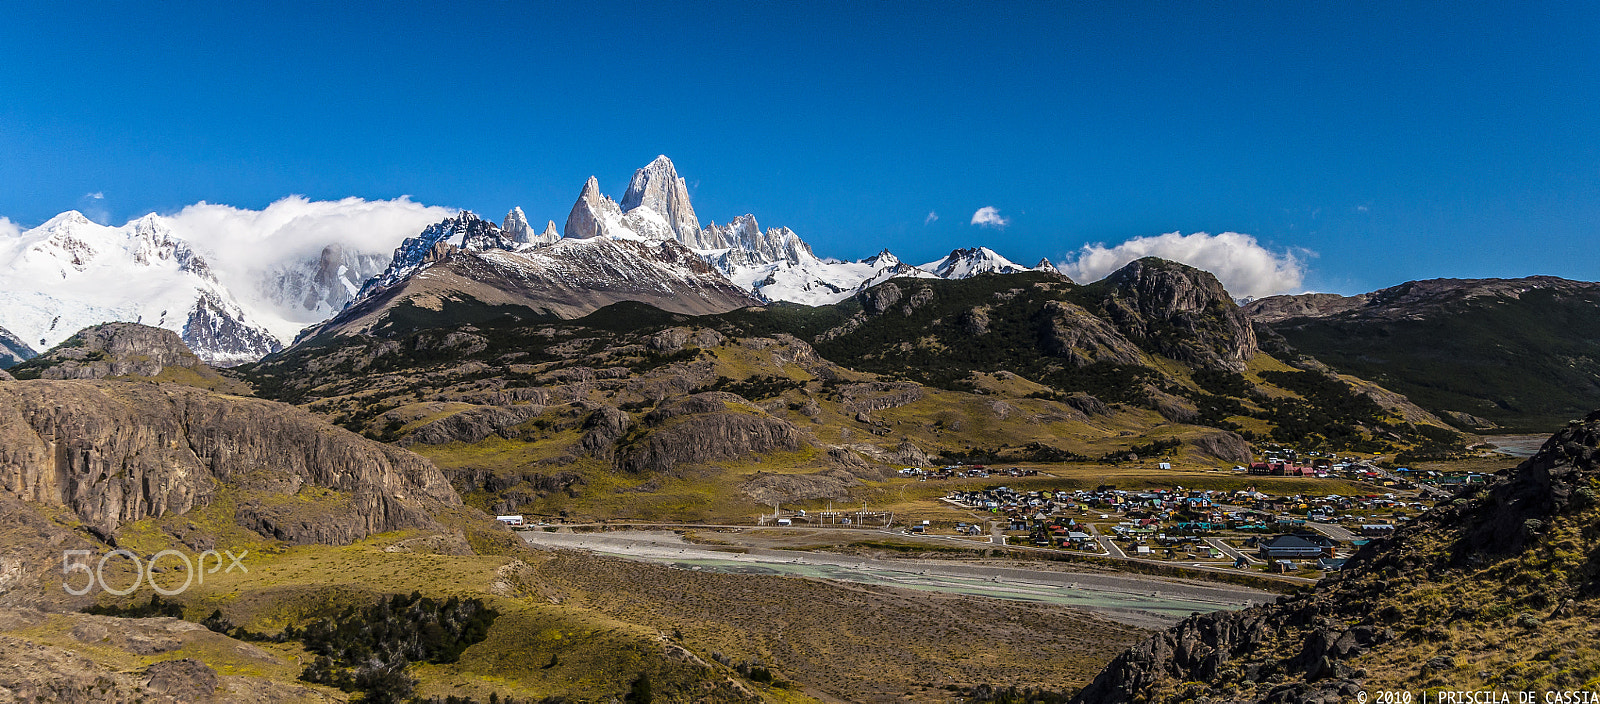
<point>367,650</point>
<point>947,343</point>
<point>1523,360</point>
<point>155,607</point>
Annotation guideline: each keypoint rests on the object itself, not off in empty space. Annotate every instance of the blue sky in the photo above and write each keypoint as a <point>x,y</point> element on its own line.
<point>1378,142</point>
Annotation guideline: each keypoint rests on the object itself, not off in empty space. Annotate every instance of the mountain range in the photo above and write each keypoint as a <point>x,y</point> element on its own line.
<point>1432,341</point>
<point>53,279</point>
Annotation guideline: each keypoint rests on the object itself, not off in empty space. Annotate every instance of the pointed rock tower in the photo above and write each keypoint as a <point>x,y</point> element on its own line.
<point>516,228</point>
<point>593,215</point>
<point>657,187</point>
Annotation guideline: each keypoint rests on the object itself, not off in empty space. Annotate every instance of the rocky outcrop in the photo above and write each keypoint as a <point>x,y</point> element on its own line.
<point>1087,404</point>
<point>885,297</point>
<point>1274,309</point>
<point>1467,420</point>
<point>601,431</point>
<point>702,428</point>
<point>1223,445</point>
<point>1179,311</point>
<point>768,488</point>
<point>114,452</point>
<point>878,299</point>
<point>1174,408</point>
<point>673,339</point>
<point>1073,333</point>
<point>908,453</point>
<point>115,349</point>
<point>61,671</point>
<point>873,396</point>
<point>473,425</point>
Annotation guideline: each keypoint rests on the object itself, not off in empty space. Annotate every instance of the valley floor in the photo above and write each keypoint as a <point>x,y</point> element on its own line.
<point>1137,600</point>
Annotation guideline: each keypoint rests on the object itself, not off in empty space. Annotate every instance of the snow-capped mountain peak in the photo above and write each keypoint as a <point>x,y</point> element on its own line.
<point>883,260</point>
<point>966,263</point>
<point>433,243</point>
<point>70,273</point>
<point>658,188</point>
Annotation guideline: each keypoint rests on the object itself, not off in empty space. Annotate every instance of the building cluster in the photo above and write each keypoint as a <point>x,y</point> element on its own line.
<point>961,471</point>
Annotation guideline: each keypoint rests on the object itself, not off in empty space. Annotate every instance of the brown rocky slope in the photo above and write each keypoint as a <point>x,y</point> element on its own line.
<point>115,452</point>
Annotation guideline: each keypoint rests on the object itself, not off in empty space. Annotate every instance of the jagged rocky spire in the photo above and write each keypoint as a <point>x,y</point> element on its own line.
<point>658,188</point>
<point>593,215</point>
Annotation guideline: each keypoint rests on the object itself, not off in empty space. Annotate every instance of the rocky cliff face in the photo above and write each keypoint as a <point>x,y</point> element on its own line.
<point>115,452</point>
<point>1183,312</point>
<point>705,427</point>
<point>1464,597</point>
<point>658,188</point>
<point>1275,309</point>
<point>594,215</point>
<point>1076,334</point>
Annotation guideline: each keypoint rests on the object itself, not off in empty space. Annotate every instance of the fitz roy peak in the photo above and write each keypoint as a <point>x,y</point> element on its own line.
<point>772,264</point>
<point>658,189</point>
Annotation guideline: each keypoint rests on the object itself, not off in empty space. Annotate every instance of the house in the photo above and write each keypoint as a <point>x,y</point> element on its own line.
<point>1301,545</point>
<point>513,521</point>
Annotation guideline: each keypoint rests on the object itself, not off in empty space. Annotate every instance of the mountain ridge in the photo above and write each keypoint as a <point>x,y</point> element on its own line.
<point>1486,353</point>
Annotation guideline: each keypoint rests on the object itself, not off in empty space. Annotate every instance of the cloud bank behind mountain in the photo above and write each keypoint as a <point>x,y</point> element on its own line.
<point>1243,265</point>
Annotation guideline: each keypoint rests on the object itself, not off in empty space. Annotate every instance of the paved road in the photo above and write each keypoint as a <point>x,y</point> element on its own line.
<point>1111,548</point>
<point>996,536</point>
<point>1231,551</point>
<point>1339,533</point>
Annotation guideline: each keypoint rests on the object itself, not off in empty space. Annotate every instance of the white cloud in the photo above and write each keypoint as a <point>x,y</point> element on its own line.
<point>246,247</point>
<point>932,216</point>
<point>293,228</point>
<point>1243,266</point>
<point>9,229</point>
<point>989,216</point>
<point>97,195</point>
